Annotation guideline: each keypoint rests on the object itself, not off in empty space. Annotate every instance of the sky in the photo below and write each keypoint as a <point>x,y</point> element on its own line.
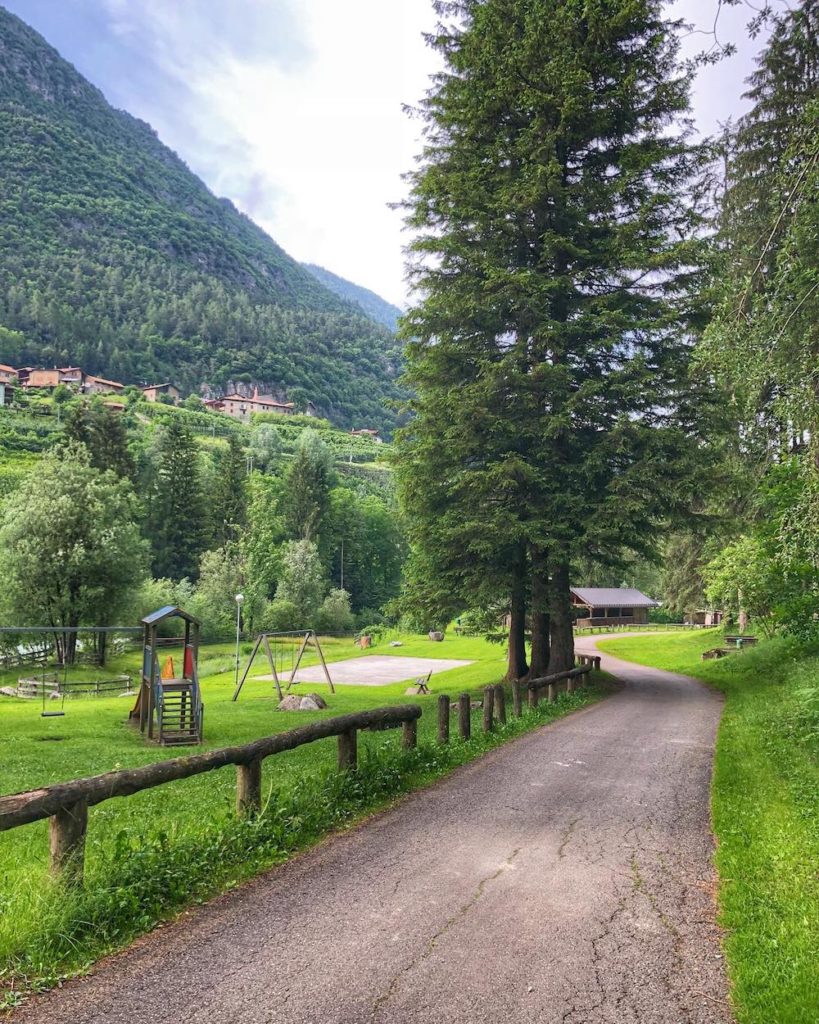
<point>293,109</point>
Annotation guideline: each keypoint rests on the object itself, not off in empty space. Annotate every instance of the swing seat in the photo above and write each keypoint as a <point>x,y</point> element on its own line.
<point>52,714</point>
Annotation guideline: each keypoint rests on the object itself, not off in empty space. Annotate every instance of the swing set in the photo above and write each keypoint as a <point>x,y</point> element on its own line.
<point>276,660</point>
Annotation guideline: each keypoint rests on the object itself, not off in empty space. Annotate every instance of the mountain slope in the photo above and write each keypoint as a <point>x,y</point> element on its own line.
<point>115,256</point>
<point>374,306</point>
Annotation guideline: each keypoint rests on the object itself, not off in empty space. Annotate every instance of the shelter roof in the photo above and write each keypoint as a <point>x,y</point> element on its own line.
<point>623,597</point>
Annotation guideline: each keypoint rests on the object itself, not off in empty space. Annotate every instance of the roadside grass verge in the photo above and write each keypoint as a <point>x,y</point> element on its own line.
<point>765,803</point>
<point>154,853</point>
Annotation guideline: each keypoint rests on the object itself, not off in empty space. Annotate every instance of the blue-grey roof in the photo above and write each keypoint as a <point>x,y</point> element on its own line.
<point>166,613</point>
<point>620,597</point>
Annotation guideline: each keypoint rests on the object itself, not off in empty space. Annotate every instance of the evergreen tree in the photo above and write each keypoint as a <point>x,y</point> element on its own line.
<point>307,486</point>
<point>554,212</point>
<point>230,497</point>
<point>103,433</point>
<point>179,520</point>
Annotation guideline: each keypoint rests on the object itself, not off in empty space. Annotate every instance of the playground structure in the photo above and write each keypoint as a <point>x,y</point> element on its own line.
<point>169,708</point>
<point>263,641</point>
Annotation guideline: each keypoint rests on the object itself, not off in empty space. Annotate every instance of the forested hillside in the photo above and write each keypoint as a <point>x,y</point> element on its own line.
<point>374,306</point>
<point>113,255</point>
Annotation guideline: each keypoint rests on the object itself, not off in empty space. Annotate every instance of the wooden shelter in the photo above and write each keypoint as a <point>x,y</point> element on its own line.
<point>169,707</point>
<point>610,606</point>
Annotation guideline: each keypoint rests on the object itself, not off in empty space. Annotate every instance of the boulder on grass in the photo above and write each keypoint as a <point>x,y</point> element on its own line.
<point>318,700</point>
<point>436,635</point>
<point>308,704</point>
<point>292,702</point>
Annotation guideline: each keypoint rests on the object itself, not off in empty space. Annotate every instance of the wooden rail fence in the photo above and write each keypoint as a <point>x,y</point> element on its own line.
<point>66,804</point>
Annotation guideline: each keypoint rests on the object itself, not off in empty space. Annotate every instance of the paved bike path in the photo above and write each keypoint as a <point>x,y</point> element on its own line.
<point>565,877</point>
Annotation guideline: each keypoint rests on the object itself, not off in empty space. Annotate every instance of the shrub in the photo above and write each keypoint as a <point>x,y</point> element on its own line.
<point>335,614</point>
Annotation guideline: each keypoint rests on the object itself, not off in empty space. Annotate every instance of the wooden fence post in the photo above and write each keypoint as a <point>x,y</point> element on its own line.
<point>488,707</point>
<point>534,697</point>
<point>66,831</point>
<point>249,788</point>
<point>517,708</point>
<point>597,663</point>
<point>443,719</point>
<point>409,735</point>
<point>500,703</point>
<point>465,716</point>
<point>570,684</point>
<point>348,750</point>
<point>551,693</point>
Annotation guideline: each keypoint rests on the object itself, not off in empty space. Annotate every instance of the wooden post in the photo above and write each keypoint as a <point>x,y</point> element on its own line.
<point>551,693</point>
<point>570,684</point>
<point>67,830</point>
<point>500,703</point>
<point>348,750</point>
<point>464,716</point>
<point>249,788</point>
<point>597,663</point>
<point>409,735</point>
<point>488,707</point>
<point>534,696</point>
<point>517,707</point>
<point>443,719</point>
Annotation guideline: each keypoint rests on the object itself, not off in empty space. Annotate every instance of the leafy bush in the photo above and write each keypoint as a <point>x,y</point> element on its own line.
<point>335,614</point>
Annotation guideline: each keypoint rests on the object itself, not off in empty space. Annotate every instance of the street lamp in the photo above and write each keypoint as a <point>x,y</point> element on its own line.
<point>239,599</point>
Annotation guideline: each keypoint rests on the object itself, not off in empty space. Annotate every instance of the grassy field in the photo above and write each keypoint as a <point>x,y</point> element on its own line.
<point>157,851</point>
<point>765,804</point>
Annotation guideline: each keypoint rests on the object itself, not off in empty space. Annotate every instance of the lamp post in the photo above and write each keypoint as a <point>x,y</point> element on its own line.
<point>239,599</point>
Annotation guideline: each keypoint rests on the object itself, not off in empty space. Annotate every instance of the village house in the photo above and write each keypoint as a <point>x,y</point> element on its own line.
<point>153,392</point>
<point>610,606</point>
<point>101,386</point>
<point>240,406</point>
<point>6,393</point>
<point>367,432</point>
<point>8,375</point>
<point>35,377</point>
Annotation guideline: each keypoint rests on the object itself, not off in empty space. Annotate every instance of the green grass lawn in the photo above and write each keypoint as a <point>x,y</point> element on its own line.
<point>154,852</point>
<point>765,803</point>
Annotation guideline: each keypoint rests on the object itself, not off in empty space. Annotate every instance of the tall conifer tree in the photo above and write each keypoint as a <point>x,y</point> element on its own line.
<point>554,215</point>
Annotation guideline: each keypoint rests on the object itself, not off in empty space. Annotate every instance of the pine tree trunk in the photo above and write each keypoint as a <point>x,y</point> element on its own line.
<point>516,666</point>
<point>539,662</point>
<point>561,653</point>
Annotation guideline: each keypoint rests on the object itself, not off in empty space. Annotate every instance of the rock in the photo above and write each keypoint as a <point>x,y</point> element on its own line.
<point>308,704</point>
<point>55,696</point>
<point>8,691</point>
<point>319,700</point>
<point>396,643</point>
<point>434,634</point>
<point>292,702</point>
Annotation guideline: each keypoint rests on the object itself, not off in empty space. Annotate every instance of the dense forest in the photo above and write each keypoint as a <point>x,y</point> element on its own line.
<point>114,256</point>
<point>108,514</point>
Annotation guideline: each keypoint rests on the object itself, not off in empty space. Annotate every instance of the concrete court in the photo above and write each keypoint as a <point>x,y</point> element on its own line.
<point>564,877</point>
<point>375,670</point>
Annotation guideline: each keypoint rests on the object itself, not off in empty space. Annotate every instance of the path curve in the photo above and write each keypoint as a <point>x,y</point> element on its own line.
<point>565,877</point>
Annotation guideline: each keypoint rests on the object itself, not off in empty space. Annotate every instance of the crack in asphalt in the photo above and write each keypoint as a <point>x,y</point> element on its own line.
<point>433,940</point>
<point>566,837</point>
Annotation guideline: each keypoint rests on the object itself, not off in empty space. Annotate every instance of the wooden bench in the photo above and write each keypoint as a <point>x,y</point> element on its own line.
<point>420,686</point>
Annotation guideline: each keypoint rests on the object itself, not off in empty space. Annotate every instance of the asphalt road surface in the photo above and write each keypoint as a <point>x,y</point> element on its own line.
<point>566,877</point>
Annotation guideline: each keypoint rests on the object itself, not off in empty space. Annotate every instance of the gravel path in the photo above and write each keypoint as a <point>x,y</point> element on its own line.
<point>565,877</point>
